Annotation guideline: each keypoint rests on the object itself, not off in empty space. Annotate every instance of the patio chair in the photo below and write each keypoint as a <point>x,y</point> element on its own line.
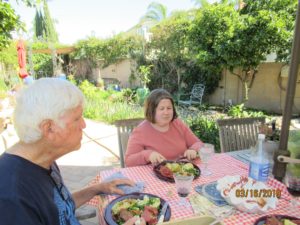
<point>239,133</point>
<point>195,97</point>
<point>124,128</point>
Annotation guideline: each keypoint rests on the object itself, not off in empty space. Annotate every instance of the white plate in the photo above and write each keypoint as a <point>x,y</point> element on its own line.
<point>231,187</point>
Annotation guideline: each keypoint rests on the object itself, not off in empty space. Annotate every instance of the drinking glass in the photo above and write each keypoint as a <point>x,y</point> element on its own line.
<point>206,152</point>
<point>183,187</point>
<point>293,187</point>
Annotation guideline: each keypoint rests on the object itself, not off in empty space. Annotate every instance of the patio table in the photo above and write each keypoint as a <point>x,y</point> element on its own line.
<point>221,165</point>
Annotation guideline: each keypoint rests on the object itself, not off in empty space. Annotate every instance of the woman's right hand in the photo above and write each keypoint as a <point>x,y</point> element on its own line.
<point>155,158</point>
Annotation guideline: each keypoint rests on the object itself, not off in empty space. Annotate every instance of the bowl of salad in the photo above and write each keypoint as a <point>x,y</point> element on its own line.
<point>145,205</point>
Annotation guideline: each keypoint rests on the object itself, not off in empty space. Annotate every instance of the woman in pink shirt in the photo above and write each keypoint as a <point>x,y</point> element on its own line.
<point>161,135</point>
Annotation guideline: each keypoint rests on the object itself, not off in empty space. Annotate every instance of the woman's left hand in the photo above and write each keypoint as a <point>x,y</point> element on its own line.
<point>190,154</point>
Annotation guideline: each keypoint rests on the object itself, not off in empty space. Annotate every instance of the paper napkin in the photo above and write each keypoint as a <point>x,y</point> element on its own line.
<point>138,187</point>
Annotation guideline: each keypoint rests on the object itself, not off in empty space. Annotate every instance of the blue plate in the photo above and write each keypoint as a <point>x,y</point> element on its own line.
<point>108,210</point>
<point>211,193</point>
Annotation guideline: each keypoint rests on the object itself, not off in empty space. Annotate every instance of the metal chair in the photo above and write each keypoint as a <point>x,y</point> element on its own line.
<point>195,97</point>
<point>239,133</point>
<point>124,128</point>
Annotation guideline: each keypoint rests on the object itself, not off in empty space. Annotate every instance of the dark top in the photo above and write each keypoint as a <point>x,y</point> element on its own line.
<point>33,195</point>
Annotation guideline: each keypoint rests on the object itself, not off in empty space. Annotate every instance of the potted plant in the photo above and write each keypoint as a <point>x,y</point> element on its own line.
<point>271,142</point>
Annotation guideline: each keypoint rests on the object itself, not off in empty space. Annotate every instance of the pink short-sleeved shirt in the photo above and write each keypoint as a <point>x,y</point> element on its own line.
<point>171,144</point>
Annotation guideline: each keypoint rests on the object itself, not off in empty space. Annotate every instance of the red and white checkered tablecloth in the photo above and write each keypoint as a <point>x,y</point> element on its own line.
<point>220,165</point>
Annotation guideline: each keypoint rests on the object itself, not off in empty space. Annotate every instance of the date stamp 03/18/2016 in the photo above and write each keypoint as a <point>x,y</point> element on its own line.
<point>257,193</point>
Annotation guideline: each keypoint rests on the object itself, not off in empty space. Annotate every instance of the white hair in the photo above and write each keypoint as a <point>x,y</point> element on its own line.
<point>46,98</point>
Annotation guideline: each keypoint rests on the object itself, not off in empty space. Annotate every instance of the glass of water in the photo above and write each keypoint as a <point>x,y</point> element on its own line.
<point>206,152</point>
<point>183,186</point>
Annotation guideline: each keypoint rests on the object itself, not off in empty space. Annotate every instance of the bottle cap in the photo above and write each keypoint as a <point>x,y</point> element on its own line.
<point>261,136</point>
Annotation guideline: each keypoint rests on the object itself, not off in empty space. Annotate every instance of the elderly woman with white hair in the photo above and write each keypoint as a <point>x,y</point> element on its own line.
<point>48,120</point>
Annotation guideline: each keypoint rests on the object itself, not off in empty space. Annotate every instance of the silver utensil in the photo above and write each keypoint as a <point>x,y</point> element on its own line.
<point>163,212</point>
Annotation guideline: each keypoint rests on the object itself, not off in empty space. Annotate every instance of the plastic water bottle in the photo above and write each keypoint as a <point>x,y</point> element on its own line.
<point>259,162</point>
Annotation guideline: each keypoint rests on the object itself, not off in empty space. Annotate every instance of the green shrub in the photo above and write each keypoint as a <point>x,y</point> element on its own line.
<point>72,79</point>
<point>240,111</point>
<point>88,89</point>
<point>141,95</point>
<point>205,128</point>
<point>129,95</point>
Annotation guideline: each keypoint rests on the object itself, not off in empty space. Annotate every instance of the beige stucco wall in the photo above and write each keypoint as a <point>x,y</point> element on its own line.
<point>267,93</point>
<point>121,71</point>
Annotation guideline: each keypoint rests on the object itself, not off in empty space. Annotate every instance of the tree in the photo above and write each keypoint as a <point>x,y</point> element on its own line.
<point>205,3</point>
<point>283,17</point>
<point>201,3</point>
<point>29,3</point>
<point>43,26</point>
<point>9,22</point>
<point>109,50</point>
<point>39,25</point>
<point>167,50</point>
<point>212,25</point>
<point>50,31</point>
<point>156,13</point>
<point>222,37</point>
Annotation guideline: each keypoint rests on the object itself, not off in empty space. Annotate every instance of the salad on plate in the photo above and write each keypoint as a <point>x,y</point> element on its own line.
<point>143,205</point>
